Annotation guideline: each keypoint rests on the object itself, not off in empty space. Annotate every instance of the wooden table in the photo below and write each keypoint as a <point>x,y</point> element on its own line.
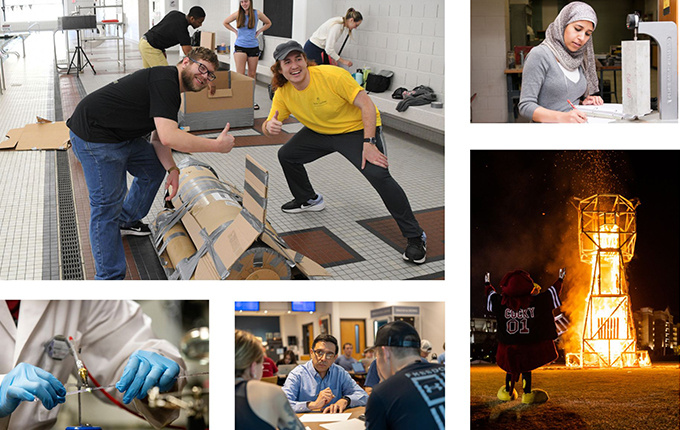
<point>317,425</point>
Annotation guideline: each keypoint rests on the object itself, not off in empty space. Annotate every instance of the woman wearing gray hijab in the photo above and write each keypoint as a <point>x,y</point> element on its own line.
<point>560,72</point>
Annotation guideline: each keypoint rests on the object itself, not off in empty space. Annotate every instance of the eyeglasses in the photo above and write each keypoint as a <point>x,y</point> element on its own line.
<point>320,354</point>
<point>204,70</point>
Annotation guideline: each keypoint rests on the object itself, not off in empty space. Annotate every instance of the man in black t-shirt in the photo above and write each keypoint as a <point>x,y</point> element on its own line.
<point>170,31</point>
<point>412,393</point>
<point>107,134</point>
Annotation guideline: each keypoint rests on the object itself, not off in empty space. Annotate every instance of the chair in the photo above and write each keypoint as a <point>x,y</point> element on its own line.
<point>270,379</point>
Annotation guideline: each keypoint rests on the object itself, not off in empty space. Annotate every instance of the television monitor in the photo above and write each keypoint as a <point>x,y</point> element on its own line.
<point>303,306</point>
<point>247,306</point>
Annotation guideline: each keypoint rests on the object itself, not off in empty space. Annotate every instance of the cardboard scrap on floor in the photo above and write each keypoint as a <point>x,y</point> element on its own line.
<point>32,137</point>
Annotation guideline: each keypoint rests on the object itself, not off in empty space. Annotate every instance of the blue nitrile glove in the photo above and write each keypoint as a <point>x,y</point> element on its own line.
<point>27,382</point>
<point>144,370</point>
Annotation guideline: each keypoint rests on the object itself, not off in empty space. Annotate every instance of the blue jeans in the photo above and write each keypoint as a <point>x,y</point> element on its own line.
<point>111,205</point>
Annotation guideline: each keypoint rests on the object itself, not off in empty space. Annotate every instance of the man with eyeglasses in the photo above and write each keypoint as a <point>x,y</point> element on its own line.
<point>108,135</point>
<point>411,394</point>
<point>320,384</point>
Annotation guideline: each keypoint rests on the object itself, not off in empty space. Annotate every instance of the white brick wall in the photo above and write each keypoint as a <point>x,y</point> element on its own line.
<point>406,37</point>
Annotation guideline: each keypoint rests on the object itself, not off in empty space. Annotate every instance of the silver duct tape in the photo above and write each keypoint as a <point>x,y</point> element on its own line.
<point>260,174</point>
<point>218,119</point>
<point>254,222</point>
<point>277,260</point>
<point>203,186</point>
<point>169,239</point>
<point>276,238</point>
<point>192,162</point>
<point>168,223</point>
<point>209,243</point>
<point>260,200</point>
<point>298,257</point>
<point>258,258</point>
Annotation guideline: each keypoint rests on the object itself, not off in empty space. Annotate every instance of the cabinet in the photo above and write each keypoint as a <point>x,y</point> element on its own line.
<point>110,25</point>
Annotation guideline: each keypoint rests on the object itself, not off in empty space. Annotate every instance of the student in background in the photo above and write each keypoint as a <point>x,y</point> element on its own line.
<point>320,47</point>
<point>170,31</point>
<point>425,350</point>
<point>268,366</point>
<point>259,406</point>
<point>412,393</point>
<point>247,47</point>
<point>562,68</point>
<point>345,360</point>
<point>441,359</point>
<point>288,358</point>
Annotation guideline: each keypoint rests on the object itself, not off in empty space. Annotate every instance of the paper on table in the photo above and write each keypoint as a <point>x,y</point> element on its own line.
<point>607,108</point>
<point>353,424</point>
<point>324,418</point>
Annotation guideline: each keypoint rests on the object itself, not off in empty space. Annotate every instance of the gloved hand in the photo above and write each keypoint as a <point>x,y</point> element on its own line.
<point>27,382</point>
<point>563,273</point>
<point>144,370</point>
<point>487,278</point>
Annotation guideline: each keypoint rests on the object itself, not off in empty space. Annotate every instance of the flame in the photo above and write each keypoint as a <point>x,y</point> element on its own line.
<point>607,331</point>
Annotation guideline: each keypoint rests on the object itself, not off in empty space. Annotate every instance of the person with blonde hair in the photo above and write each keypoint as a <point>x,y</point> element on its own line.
<point>321,45</point>
<point>259,405</point>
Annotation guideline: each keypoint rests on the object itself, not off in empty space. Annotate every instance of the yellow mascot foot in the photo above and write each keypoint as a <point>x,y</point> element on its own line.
<point>535,397</point>
<point>505,396</point>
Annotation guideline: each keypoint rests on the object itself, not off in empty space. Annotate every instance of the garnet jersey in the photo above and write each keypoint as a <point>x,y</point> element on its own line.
<point>532,324</point>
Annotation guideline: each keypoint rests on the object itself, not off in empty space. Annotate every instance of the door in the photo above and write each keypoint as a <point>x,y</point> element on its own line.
<point>307,339</point>
<point>354,332</point>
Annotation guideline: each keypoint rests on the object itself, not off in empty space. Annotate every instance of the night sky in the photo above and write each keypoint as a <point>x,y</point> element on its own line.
<point>522,216</point>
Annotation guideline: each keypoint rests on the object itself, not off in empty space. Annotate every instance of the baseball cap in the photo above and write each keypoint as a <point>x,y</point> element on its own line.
<point>399,334</point>
<point>425,345</point>
<point>284,49</point>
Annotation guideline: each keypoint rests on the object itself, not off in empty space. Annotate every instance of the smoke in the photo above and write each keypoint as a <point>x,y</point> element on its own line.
<point>524,216</point>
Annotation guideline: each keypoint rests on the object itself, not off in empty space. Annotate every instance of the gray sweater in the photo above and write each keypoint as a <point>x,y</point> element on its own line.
<point>544,84</point>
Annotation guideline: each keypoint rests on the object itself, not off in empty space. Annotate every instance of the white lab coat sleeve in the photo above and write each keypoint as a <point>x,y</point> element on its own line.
<point>111,332</point>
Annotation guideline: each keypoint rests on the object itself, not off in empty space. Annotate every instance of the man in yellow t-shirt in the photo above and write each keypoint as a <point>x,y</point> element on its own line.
<point>337,115</point>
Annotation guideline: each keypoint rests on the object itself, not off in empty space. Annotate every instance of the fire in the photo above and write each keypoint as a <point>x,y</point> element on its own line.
<point>606,242</point>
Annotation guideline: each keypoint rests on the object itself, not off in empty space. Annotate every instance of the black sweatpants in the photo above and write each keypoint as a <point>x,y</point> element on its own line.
<point>307,146</point>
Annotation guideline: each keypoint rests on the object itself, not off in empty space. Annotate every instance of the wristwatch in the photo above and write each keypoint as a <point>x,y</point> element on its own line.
<point>370,140</point>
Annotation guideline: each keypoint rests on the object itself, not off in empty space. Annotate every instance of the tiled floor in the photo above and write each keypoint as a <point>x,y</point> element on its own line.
<point>358,242</point>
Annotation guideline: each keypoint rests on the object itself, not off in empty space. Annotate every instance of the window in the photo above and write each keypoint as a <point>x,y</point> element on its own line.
<point>37,10</point>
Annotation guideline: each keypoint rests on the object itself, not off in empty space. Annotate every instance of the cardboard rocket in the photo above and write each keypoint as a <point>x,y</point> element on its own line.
<point>216,232</point>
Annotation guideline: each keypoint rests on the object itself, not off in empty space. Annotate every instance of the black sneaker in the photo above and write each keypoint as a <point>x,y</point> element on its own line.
<point>136,229</point>
<point>416,249</point>
<point>312,205</point>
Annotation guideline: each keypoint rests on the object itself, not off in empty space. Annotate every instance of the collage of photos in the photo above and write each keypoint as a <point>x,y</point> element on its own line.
<point>277,170</point>
<point>297,144</point>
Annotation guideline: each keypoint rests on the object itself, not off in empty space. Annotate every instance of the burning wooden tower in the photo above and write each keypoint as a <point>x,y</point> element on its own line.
<point>607,234</point>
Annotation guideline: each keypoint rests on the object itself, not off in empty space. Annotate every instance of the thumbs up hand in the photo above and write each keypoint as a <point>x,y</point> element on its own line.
<point>225,141</point>
<point>274,125</point>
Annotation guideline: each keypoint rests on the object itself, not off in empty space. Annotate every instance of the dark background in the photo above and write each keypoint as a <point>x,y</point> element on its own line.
<point>522,216</point>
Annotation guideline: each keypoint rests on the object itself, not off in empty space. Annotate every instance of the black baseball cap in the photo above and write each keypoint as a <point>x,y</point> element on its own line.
<point>397,334</point>
<point>284,49</point>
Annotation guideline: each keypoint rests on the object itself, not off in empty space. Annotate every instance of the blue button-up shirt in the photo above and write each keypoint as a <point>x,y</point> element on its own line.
<point>304,384</point>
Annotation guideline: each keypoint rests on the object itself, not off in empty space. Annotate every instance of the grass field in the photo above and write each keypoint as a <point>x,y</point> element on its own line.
<point>646,398</point>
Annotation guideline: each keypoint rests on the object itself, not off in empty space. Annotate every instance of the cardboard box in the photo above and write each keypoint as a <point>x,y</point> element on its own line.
<point>208,40</point>
<point>232,103</point>
<point>53,135</point>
